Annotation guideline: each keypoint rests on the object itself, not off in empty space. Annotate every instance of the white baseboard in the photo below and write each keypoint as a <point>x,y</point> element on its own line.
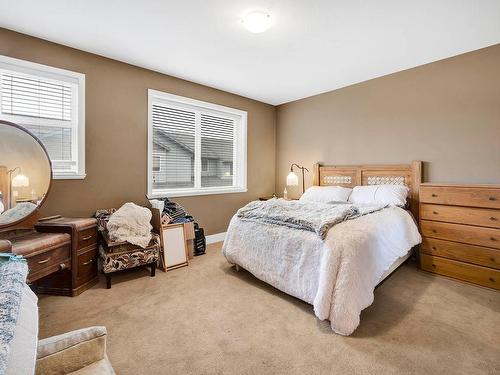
<point>217,237</point>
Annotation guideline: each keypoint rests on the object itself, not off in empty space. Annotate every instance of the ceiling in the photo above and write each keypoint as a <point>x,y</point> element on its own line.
<point>313,46</point>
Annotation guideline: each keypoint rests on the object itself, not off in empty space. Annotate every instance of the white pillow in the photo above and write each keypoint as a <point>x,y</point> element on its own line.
<point>385,194</point>
<point>326,194</point>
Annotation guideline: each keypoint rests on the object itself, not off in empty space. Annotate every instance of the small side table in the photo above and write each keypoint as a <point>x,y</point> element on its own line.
<point>267,198</point>
<point>83,272</point>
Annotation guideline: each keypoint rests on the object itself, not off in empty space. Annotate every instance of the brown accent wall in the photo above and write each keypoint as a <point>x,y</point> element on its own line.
<point>445,113</point>
<point>116,134</point>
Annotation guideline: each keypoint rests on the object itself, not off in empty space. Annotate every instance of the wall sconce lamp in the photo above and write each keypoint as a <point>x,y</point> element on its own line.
<point>293,180</point>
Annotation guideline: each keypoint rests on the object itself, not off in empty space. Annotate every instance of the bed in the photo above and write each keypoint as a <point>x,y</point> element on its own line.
<point>338,273</point>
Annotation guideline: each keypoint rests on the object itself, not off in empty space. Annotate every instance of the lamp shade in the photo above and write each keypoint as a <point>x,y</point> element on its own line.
<point>292,179</point>
<point>20,180</point>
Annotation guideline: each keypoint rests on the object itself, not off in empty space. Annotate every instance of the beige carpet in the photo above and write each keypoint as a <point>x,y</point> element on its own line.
<point>209,319</point>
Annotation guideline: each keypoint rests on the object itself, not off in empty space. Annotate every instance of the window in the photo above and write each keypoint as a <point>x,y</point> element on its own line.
<point>204,164</point>
<point>156,163</point>
<point>49,102</point>
<point>201,147</point>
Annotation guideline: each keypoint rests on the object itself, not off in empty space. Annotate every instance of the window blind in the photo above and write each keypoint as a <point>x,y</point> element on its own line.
<point>44,107</point>
<point>195,147</point>
<point>173,147</point>
<point>30,96</point>
<point>217,145</point>
<point>57,142</point>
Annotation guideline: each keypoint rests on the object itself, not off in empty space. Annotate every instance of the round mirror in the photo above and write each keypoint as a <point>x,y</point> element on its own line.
<point>25,174</point>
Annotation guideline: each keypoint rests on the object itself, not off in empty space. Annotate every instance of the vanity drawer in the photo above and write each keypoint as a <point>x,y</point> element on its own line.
<point>49,259</point>
<point>461,196</point>
<point>86,266</point>
<point>482,256</point>
<point>461,233</point>
<point>462,215</point>
<point>467,272</point>
<point>87,237</point>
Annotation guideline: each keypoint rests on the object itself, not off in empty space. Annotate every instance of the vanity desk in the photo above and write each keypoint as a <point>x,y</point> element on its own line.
<point>61,252</point>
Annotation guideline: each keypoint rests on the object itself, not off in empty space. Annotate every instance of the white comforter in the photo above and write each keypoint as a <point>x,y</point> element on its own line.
<point>338,275</point>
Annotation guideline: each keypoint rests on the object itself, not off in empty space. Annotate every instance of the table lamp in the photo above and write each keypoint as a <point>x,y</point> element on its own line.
<point>293,180</point>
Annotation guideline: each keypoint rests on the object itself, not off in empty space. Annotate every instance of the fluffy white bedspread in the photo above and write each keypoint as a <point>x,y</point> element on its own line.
<point>131,223</point>
<point>337,275</point>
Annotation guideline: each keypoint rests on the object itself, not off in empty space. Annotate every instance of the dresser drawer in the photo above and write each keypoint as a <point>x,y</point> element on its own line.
<point>48,262</point>
<point>461,196</point>
<point>86,266</point>
<point>87,237</point>
<point>461,233</point>
<point>49,258</point>
<point>482,256</point>
<point>468,272</point>
<point>462,215</point>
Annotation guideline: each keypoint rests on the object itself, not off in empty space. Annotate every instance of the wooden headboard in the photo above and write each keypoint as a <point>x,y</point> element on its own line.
<point>385,174</point>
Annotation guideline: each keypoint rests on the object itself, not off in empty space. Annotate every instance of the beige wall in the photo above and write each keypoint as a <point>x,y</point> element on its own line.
<point>116,134</point>
<point>446,113</point>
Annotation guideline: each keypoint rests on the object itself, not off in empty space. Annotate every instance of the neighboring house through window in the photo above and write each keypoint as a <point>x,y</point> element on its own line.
<point>194,147</point>
<point>49,102</point>
<point>204,164</point>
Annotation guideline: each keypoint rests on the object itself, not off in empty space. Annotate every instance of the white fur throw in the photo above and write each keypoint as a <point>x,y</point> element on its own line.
<point>131,223</point>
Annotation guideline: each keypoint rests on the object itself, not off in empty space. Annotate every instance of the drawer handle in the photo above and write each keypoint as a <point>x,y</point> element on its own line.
<point>86,238</point>
<point>493,199</point>
<point>492,279</point>
<point>493,218</point>
<point>433,247</point>
<point>433,265</point>
<point>493,238</point>
<point>434,212</point>
<point>87,262</point>
<point>434,195</point>
<point>62,266</point>
<point>434,231</point>
<point>44,261</point>
<point>492,259</point>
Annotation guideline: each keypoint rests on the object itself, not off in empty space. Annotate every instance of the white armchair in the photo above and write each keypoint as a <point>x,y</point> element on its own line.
<point>81,352</point>
<point>77,352</point>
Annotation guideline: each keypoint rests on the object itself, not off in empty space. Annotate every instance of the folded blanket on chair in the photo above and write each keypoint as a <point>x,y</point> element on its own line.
<point>131,223</point>
<point>310,216</point>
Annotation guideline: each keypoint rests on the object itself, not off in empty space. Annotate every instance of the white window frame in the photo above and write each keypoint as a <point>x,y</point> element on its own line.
<point>240,151</point>
<point>78,110</point>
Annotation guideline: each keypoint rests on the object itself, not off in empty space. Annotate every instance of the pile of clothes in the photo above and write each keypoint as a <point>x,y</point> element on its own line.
<point>174,213</point>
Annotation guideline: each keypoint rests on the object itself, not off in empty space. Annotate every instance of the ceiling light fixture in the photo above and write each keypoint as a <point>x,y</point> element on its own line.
<point>257,21</point>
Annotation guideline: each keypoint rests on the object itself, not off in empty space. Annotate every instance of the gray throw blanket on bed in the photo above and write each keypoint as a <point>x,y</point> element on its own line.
<point>309,216</point>
<point>13,272</point>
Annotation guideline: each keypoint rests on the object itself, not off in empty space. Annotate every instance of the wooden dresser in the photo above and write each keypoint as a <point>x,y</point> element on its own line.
<point>82,273</point>
<point>460,226</point>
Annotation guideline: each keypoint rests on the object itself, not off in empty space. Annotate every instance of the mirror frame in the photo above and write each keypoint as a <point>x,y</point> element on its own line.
<point>14,223</point>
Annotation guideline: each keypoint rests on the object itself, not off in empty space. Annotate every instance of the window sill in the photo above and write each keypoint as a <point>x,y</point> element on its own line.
<point>69,176</point>
<point>194,192</point>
